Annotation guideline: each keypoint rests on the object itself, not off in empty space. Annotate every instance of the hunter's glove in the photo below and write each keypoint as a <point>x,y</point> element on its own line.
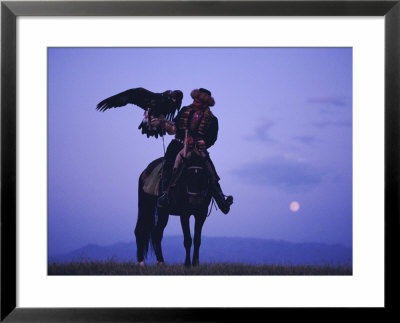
<point>169,127</point>
<point>155,122</point>
<point>166,125</point>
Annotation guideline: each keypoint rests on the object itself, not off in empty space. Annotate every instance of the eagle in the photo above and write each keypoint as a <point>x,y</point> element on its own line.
<point>166,104</point>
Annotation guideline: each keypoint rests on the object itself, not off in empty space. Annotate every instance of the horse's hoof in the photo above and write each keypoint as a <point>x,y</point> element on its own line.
<point>195,263</point>
<point>188,264</point>
<point>160,263</point>
<point>141,263</point>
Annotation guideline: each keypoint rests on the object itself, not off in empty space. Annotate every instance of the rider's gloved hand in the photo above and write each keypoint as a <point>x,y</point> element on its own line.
<point>155,122</point>
<point>169,127</point>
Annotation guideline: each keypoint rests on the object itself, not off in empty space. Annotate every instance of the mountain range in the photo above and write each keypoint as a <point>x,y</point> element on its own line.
<point>221,250</point>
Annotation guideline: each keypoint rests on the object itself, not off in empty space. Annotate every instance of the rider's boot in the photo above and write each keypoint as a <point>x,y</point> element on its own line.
<point>223,203</point>
<point>219,197</point>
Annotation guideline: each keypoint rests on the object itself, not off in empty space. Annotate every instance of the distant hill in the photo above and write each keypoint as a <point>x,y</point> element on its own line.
<point>222,250</point>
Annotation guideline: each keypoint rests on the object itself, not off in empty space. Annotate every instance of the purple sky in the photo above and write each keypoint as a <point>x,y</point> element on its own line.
<point>285,117</point>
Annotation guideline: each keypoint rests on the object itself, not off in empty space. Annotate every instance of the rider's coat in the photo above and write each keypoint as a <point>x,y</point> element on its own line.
<point>203,126</point>
<point>200,123</point>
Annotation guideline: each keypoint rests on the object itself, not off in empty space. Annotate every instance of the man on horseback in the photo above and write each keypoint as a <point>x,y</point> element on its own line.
<point>194,125</point>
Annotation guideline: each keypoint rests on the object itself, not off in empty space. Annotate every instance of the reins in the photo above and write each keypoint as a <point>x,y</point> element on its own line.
<point>212,203</point>
<point>163,144</point>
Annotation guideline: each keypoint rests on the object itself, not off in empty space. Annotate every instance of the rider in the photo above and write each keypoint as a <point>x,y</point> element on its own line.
<point>201,127</point>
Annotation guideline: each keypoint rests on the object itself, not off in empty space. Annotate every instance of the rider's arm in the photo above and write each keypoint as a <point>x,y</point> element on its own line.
<point>169,127</point>
<point>211,136</point>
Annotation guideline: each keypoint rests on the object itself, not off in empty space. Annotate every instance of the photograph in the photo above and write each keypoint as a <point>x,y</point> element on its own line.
<point>188,161</point>
<point>200,161</point>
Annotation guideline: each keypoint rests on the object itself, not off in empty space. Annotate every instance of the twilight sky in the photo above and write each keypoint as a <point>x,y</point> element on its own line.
<point>285,117</point>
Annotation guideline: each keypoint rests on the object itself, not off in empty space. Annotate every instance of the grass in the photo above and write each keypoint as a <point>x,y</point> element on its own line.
<point>131,268</point>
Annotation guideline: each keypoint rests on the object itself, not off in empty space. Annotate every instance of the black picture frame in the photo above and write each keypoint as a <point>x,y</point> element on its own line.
<point>10,10</point>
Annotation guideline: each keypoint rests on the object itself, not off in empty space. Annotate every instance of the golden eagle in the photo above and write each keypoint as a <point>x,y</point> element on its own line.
<point>155,104</point>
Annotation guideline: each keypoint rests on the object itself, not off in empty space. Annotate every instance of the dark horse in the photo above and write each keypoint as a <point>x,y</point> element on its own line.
<point>189,195</point>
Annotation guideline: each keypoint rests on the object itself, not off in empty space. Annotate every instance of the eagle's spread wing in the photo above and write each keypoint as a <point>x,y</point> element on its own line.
<point>155,104</point>
<point>139,96</point>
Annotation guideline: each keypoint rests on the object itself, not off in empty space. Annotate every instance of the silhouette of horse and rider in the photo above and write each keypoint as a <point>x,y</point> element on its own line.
<point>184,181</point>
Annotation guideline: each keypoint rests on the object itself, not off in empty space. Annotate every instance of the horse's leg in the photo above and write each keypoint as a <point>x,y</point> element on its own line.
<point>140,241</point>
<point>198,226</point>
<point>157,234</point>
<point>187,238</point>
<point>144,223</point>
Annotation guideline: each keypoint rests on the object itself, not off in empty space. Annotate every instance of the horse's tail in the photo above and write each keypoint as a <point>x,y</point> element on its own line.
<point>145,221</point>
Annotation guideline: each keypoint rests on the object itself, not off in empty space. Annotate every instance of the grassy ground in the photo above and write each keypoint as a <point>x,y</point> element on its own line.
<point>131,268</point>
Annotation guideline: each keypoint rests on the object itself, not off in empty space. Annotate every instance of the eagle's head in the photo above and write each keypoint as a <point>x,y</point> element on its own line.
<point>174,97</point>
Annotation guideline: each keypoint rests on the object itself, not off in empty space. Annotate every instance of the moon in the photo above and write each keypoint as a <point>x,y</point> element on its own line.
<point>294,206</point>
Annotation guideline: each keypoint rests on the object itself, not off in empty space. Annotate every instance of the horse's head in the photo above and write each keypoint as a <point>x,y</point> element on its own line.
<point>196,177</point>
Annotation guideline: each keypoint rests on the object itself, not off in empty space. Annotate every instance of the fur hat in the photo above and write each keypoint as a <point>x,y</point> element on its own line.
<point>203,95</point>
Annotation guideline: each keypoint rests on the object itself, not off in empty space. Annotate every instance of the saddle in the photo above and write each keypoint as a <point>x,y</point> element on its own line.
<point>151,184</point>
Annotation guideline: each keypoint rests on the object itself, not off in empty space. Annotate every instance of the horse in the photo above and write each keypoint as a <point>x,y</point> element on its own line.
<point>190,194</point>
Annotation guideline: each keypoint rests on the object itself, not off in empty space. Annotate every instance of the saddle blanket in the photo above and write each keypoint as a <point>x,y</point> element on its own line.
<point>151,184</point>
